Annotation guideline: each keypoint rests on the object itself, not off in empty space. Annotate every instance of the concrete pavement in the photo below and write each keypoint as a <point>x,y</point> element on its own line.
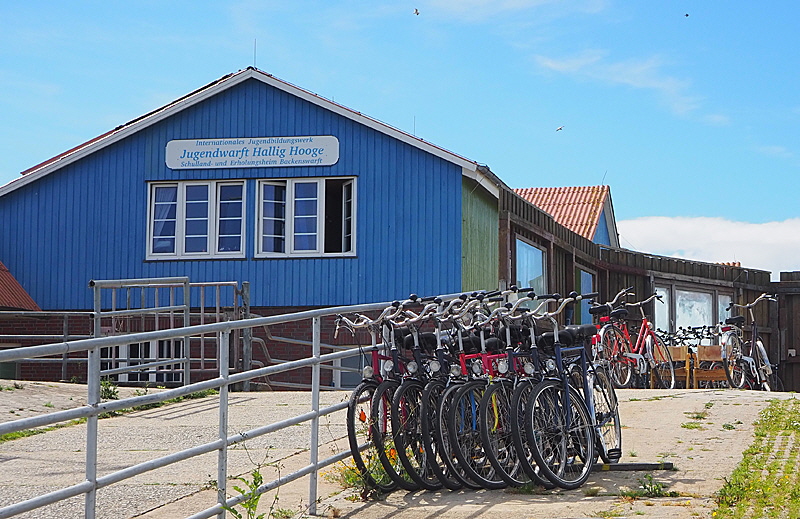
<point>652,432</point>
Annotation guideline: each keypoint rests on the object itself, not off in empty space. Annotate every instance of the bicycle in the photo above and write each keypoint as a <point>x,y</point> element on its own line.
<point>565,429</point>
<point>643,353</point>
<point>747,364</point>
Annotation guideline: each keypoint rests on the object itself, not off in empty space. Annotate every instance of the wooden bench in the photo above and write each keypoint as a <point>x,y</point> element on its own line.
<point>690,370</point>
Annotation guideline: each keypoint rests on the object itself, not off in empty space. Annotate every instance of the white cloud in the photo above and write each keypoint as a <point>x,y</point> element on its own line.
<point>772,246</point>
<point>775,151</point>
<point>642,73</point>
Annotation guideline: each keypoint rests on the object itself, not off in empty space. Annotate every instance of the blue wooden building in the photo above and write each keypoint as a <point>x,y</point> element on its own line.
<point>250,178</point>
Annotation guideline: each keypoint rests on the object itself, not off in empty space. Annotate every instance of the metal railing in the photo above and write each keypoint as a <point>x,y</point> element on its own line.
<point>223,382</point>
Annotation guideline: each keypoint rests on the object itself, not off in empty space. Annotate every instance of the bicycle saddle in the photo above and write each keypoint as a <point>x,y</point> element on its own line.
<point>427,342</point>
<point>619,313</point>
<point>736,321</point>
<point>565,338</point>
<point>581,332</point>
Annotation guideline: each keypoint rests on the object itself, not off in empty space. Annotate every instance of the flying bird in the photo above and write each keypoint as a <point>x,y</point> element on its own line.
<point>416,11</point>
<point>559,128</point>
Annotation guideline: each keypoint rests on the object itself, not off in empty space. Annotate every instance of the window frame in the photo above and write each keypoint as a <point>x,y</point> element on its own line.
<point>520,239</point>
<point>290,250</point>
<point>671,288</point>
<point>213,220</point>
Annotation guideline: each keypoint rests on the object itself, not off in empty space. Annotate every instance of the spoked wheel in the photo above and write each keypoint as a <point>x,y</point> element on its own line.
<point>611,354</point>
<point>563,436</point>
<point>496,435</point>
<point>763,366</point>
<point>430,432</point>
<point>463,419</point>
<point>446,446</point>
<point>383,436</point>
<point>519,403</point>
<point>606,411</point>
<point>407,420</point>
<point>732,361</point>
<point>662,369</point>
<point>359,433</point>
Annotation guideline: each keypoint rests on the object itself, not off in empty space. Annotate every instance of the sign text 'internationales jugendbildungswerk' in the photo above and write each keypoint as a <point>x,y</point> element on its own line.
<point>253,152</point>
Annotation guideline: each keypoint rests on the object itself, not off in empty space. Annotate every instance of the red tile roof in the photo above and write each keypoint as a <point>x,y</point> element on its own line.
<point>576,208</point>
<point>12,295</point>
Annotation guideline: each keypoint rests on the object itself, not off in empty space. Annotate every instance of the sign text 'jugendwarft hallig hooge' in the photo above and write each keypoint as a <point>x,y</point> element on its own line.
<point>253,152</point>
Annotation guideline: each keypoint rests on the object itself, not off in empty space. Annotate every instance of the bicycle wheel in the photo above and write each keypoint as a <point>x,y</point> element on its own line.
<point>611,353</point>
<point>606,411</point>
<point>407,420</point>
<point>463,419</point>
<point>662,369</point>
<point>446,446</point>
<point>519,403</point>
<point>359,434</point>
<point>763,366</point>
<point>430,416</point>
<point>496,436</point>
<point>563,435</point>
<point>732,361</point>
<point>383,436</point>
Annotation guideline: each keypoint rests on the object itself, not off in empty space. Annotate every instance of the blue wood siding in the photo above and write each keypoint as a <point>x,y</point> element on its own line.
<point>601,235</point>
<point>88,220</point>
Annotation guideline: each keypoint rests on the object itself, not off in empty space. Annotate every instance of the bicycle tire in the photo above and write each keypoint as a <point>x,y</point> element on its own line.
<point>496,436</point>
<point>431,395</point>
<point>519,402</point>
<point>662,370</point>
<point>359,432</point>
<point>611,353</point>
<point>606,410</point>
<point>407,432</point>
<point>446,446</point>
<point>732,360</point>
<point>383,435</point>
<point>463,419</point>
<point>564,449</point>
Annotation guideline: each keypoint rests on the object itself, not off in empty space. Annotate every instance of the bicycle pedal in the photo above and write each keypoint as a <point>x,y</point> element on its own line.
<point>614,454</point>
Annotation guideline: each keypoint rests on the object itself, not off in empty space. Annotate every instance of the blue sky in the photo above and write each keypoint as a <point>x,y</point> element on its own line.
<point>694,118</point>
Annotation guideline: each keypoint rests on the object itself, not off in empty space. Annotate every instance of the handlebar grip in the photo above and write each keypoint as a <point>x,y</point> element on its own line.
<point>590,295</point>
<point>495,299</point>
<point>549,296</point>
<point>493,293</point>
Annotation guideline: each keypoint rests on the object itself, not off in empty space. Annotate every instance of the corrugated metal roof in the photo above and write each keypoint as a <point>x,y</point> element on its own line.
<point>576,208</point>
<point>12,295</point>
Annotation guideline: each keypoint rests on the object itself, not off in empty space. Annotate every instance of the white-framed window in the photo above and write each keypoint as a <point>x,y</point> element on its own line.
<point>531,267</point>
<point>196,219</point>
<point>135,354</point>
<point>306,217</point>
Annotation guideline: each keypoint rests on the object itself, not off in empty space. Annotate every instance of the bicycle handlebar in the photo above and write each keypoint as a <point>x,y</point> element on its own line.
<point>769,297</point>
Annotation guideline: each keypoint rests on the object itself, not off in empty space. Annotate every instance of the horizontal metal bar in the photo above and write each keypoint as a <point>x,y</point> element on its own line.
<point>174,333</point>
<point>42,313</point>
<point>122,283</point>
<point>45,499</point>
<point>42,337</point>
<point>141,468</point>
<point>141,367</point>
<point>308,469</point>
<point>143,311</point>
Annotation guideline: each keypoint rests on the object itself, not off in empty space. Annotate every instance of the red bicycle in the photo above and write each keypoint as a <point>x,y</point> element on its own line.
<point>643,353</point>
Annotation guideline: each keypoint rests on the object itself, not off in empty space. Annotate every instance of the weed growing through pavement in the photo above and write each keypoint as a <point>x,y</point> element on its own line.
<point>648,487</point>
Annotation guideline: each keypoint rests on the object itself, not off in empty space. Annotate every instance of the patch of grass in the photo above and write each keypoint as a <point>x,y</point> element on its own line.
<point>696,415</point>
<point>650,488</point>
<point>33,432</point>
<point>764,482</point>
<point>49,404</point>
<point>692,425</point>
<point>592,491</point>
<point>633,454</point>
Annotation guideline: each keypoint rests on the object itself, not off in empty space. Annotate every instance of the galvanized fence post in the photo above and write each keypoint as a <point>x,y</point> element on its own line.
<point>315,373</point>
<point>222,457</point>
<point>93,399</point>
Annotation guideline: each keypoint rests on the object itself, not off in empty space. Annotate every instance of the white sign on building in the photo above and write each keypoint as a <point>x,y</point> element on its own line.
<point>253,152</point>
